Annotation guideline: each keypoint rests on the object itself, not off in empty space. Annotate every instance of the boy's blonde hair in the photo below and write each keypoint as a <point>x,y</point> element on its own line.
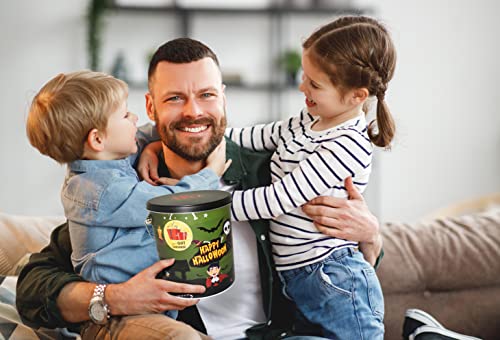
<point>68,107</point>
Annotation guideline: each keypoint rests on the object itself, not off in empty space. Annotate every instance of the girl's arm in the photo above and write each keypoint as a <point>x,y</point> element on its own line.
<point>326,168</point>
<point>262,137</point>
<point>265,137</point>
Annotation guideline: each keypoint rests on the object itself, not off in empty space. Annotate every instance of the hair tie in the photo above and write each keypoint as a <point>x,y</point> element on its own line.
<point>381,96</point>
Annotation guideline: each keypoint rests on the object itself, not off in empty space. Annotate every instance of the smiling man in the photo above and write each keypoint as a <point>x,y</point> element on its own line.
<point>186,99</point>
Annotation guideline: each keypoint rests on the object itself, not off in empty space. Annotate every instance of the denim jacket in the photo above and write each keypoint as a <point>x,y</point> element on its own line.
<point>105,204</point>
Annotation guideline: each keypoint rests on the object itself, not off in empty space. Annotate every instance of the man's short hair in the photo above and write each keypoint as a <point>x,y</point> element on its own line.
<point>180,51</point>
<point>68,107</point>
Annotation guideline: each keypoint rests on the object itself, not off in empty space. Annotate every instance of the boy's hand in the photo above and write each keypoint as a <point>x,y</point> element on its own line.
<point>147,167</point>
<point>217,159</point>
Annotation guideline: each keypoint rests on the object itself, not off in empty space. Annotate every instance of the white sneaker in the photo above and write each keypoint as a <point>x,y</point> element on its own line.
<point>434,333</point>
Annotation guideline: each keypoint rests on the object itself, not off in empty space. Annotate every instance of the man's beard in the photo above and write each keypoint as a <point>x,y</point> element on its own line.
<point>193,150</point>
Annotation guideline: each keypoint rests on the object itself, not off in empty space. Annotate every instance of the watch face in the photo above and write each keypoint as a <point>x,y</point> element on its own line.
<point>98,312</point>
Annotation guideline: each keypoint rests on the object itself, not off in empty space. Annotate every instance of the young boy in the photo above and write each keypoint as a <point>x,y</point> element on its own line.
<point>81,119</point>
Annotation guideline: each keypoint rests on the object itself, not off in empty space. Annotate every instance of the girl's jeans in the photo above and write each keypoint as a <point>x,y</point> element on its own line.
<point>341,295</point>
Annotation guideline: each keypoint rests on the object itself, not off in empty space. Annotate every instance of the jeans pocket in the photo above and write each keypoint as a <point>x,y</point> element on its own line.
<point>337,277</point>
<point>375,296</point>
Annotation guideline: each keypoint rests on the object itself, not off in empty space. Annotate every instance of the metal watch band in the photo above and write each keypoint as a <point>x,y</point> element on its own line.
<point>99,291</point>
<point>98,305</point>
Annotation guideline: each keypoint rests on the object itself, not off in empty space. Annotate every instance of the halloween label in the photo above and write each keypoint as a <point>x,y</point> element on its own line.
<point>202,245</point>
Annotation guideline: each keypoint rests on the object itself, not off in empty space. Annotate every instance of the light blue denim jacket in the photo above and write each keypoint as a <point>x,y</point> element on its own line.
<point>105,204</point>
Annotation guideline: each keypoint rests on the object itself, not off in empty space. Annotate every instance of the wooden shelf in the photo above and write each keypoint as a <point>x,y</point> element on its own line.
<point>221,10</point>
<point>275,15</point>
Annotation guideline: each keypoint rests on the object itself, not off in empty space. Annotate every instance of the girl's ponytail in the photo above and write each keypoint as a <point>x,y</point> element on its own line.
<point>384,123</point>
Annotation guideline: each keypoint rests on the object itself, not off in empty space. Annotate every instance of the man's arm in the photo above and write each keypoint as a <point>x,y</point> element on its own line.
<point>142,294</point>
<point>50,294</point>
<point>348,219</point>
<point>42,279</point>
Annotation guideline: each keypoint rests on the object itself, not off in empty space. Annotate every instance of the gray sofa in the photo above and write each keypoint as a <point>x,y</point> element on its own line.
<point>448,267</point>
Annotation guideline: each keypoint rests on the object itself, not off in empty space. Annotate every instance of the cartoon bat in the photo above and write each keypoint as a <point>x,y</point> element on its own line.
<point>211,230</point>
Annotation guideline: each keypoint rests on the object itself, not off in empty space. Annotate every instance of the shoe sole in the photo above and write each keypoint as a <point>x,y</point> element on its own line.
<point>445,332</point>
<point>423,317</point>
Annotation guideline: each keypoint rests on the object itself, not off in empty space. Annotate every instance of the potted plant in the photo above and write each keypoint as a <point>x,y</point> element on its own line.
<point>95,24</point>
<point>290,62</point>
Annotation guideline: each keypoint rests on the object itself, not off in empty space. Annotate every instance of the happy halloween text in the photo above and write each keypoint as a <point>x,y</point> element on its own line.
<point>209,252</point>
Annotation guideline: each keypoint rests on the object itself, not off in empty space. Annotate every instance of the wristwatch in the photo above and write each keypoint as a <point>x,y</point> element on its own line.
<point>98,309</point>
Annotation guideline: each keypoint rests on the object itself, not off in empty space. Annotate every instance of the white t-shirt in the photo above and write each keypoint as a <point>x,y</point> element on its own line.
<point>229,314</point>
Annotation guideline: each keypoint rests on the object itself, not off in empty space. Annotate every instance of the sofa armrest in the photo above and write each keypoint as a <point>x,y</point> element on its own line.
<point>442,254</point>
<point>22,235</point>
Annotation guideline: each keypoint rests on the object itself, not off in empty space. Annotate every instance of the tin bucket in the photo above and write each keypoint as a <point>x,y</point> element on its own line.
<point>194,228</point>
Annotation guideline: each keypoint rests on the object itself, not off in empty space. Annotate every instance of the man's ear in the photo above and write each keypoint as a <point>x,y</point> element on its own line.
<point>95,141</point>
<point>359,95</point>
<point>150,106</point>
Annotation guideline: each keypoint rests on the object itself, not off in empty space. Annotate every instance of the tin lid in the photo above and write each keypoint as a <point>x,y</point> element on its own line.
<point>189,201</point>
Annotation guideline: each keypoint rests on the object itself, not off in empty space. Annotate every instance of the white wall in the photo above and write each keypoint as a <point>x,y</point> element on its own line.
<point>442,95</point>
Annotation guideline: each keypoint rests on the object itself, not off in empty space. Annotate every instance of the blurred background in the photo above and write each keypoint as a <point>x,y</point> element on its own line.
<point>443,96</point>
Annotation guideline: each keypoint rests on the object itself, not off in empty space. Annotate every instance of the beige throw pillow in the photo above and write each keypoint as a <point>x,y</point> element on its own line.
<point>22,235</point>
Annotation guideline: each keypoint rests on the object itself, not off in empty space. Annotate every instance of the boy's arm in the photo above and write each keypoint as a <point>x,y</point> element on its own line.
<point>123,200</point>
<point>325,168</point>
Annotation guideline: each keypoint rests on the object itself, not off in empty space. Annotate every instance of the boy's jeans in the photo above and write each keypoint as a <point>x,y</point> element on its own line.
<point>341,294</point>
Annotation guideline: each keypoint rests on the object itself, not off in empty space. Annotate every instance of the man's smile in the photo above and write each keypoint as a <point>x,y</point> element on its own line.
<point>194,129</point>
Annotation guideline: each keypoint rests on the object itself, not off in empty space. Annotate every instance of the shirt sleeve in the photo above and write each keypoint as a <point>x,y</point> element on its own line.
<point>42,279</point>
<point>123,201</point>
<point>262,137</point>
<point>325,168</point>
<point>145,134</point>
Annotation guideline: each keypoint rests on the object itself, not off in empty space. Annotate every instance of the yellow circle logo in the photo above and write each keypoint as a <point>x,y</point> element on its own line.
<point>177,235</point>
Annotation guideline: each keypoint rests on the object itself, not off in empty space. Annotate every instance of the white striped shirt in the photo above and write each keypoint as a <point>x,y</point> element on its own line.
<point>305,164</point>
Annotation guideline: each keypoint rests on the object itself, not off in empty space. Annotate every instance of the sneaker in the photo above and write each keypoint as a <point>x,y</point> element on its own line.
<point>435,333</point>
<point>415,318</point>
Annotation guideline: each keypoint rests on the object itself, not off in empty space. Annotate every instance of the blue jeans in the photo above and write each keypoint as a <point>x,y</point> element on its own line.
<point>340,296</point>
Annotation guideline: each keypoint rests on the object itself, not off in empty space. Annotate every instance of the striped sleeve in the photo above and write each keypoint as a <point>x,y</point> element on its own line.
<point>262,137</point>
<point>333,161</point>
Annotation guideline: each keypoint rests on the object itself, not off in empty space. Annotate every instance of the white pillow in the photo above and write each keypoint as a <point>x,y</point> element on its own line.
<point>21,235</point>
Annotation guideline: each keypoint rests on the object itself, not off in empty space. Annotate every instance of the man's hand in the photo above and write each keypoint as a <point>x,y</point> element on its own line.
<point>217,159</point>
<point>147,167</point>
<point>144,293</point>
<point>348,219</point>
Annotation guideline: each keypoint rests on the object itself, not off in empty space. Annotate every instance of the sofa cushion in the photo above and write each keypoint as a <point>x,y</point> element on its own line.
<point>442,254</point>
<point>21,235</point>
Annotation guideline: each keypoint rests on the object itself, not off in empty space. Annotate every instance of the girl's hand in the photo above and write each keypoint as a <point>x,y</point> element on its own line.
<point>217,159</point>
<point>147,168</point>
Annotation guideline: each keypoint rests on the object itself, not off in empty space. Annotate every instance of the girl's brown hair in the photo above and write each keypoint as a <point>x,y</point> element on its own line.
<point>357,52</point>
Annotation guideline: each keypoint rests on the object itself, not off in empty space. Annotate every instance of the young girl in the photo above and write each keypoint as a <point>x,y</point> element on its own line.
<point>334,288</point>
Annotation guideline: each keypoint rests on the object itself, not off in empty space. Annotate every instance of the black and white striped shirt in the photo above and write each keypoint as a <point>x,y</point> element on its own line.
<point>305,164</point>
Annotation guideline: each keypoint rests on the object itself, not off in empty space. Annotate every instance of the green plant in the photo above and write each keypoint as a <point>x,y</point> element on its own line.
<point>95,24</point>
<point>290,61</point>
